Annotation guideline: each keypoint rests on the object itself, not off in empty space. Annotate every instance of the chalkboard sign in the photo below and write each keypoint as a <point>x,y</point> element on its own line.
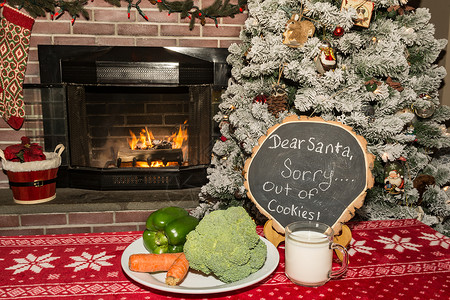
<point>309,169</point>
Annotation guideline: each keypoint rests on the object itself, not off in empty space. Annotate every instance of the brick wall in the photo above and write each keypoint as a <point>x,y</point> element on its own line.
<point>33,127</point>
<point>72,222</point>
<point>110,26</point>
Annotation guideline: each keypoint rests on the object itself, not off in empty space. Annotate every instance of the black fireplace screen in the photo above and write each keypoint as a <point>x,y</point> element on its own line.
<point>120,135</point>
<point>104,120</point>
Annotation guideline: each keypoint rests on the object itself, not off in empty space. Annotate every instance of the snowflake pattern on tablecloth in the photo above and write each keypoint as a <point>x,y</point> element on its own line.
<point>112,274</point>
<point>398,243</point>
<point>436,239</point>
<point>373,272</point>
<point>53,276</point>
<point>33,263</point>
<point>358,246</point>
<point>87,260</point>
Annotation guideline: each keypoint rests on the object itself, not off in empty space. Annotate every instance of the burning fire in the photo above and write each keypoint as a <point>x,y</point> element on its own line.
<point>179,138</point>
<point>154,164</point>
<point>147,141</point>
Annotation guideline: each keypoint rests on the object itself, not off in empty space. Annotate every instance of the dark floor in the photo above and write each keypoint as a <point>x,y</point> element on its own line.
<point>80,200</point>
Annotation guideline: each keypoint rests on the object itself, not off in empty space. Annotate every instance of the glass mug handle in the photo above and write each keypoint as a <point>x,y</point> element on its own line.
<point>345,257</point>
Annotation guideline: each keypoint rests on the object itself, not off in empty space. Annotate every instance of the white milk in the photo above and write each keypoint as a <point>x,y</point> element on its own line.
<point>308,257</point>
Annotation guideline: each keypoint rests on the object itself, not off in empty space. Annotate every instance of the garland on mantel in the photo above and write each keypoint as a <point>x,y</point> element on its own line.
<point>186,8</point>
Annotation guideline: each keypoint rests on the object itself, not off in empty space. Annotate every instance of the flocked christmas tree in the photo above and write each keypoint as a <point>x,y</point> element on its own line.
<point>367,64</point>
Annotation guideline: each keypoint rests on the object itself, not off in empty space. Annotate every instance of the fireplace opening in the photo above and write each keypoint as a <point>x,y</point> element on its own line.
<point>134,120</point>
<point>146,151</point>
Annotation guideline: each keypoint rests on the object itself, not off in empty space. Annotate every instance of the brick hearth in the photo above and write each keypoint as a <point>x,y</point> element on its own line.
<point>84,211</point>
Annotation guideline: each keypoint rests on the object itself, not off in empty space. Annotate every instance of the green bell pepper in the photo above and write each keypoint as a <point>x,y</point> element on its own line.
<point>166,230</point>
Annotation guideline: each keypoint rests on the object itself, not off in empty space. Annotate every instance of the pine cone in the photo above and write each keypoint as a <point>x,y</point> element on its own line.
<point>277,103</point>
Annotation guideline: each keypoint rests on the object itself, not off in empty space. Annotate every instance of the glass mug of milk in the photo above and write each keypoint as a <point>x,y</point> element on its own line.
<point>309,253</point>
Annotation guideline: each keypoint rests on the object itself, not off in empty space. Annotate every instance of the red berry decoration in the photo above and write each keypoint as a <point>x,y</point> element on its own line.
<point>338,31</point>
<point>223,139</point>
<point>260,99</point>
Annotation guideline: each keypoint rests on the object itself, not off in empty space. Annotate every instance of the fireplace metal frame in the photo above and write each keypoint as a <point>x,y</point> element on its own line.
<point>137,178</point>
<point>69,69</point>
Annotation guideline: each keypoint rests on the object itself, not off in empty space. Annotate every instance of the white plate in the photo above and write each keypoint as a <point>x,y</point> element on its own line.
<point>196,282</point>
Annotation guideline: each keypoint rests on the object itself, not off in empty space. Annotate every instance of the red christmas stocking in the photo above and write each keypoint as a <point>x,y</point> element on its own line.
<point>15,32</point>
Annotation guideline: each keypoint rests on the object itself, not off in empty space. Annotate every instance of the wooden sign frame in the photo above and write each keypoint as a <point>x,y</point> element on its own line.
<point>348,213</point>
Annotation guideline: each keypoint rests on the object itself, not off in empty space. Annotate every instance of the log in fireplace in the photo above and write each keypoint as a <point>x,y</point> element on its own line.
<point>131,117</point>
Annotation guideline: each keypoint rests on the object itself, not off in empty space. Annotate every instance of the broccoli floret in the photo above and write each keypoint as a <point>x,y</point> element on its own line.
<point>225,243</point>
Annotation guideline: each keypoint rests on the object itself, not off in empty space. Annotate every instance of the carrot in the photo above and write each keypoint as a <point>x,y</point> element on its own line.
<point>149,262</point>
<point>177,271</point>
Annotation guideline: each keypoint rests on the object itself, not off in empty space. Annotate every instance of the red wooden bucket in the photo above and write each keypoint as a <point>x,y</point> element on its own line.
<point>34,186</point>
<point>33,182</point>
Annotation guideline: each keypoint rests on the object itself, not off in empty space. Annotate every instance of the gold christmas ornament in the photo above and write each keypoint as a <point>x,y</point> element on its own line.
<point>298,31</point>
<point>427,110</point>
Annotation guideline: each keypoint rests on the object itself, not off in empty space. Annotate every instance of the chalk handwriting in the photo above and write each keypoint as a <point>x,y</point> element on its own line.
<point>307,171</point>
<point>292,210</point>
<point>310,144</point>
<point>326,177</point>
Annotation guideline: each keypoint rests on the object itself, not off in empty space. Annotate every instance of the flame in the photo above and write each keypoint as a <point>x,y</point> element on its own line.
<point>154,164</point>
<point>179,138</point>
<point>147,140</point>
<point>133,141</point>
<point>142,164</point>
<point>147,137</point>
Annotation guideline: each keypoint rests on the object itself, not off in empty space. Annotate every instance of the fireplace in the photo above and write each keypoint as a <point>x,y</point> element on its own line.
<point>134,117</point>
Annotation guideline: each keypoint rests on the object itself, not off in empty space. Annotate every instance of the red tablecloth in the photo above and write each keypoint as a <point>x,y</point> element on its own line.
<point>401,259</point>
